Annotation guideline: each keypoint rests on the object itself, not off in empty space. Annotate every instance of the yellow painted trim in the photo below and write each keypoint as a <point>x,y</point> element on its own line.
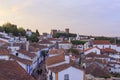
<point>84,78</point>
<point>56,76</point>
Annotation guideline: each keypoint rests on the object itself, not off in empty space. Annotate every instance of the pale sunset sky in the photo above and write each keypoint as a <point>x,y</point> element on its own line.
<point>89,17</point>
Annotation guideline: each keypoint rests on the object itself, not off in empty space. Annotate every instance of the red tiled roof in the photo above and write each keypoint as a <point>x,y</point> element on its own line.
<point>11,70</point>
<point>108,50</point>
<point>101,42</point>
<point>4,52</point>
<point>97,71</point>
<point>56,51</point>
<point>59,68</point>
<point>91,48</point>
<point>55,59</point>
<point>88,49</point>
<point>34,47</point>
<point>1,41</point>
<point>24,61</point>
<point>91,54</point>
<point>45,42</point>
<point>31,55</point>
<point>96,55</point>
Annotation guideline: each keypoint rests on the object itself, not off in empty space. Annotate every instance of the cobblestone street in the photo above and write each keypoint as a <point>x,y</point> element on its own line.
<point>40,72</point>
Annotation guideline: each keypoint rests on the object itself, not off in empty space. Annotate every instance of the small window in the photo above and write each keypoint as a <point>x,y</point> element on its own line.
<point>66,77</point>
<point>16,54</point>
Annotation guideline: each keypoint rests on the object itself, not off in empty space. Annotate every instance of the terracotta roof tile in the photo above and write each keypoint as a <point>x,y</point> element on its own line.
<point>35,47</point>
<point>56,51</point>
<point>59,68</point>
<point>91,54</point>
<point>91,48</point>
<point>3,42</point>
<point>55,59</point>
<point>96,70</point>
<point>4,52</point>
<point>11,70</point>
<point>64,66</point>
<point>108,50</point>
<point>31,55</point>
<point>45,42</point>
<point>97,55</point>
<point>101,42</point>
<point>24,61</point>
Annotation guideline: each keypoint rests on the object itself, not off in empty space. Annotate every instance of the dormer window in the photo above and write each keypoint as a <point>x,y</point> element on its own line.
<point>17,54</point>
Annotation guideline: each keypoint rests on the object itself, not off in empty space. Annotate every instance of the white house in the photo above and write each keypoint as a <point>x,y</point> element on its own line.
<point>114,67</point>
<point>14,48</point>
<point>57,60</point>
<point>3,34</point>
<point>55,52</point>
<point>94,49</point>
<point>28,32</point>
<point>11,70</point>
<point>5,40</point>
<point>4,54</point>
<point>54,40</point>
<point>24,63</point>
<point>65,72</point>
<point>102,44</point>
<point>99,43</point>
<point>27,64</point>
<point>65,45</point>
<point>24,54</point>
<point>78,37</point>
<point>27,55</point>
<point>45,42</point>
<point>59,68</point>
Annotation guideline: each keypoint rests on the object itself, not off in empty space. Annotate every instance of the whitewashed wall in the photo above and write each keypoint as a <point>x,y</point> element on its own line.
<point>74,74</point>
<point>95,50</point>
<point>21,55</point>
<point>4,57</point>
<point>65,46</point>
<point>53,74</point>
<point>102,46</point>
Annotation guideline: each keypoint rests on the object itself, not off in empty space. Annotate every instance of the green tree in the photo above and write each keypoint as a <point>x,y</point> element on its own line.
<point>33,38</point>
<point>1,29</point>
<point>74,51</point>
<point>10,28</point>
<point>22,31</point>
<point>78,42</point>
<point>44,54</point>
<point>57,35</point>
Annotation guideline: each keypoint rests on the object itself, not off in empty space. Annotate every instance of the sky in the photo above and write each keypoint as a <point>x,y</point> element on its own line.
<point>86,17</point>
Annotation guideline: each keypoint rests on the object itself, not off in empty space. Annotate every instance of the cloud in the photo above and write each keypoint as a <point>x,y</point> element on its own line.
<point>82,16</point>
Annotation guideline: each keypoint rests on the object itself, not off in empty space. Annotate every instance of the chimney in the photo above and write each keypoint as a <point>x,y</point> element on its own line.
<point>56,45</point>
<point>27,46</point>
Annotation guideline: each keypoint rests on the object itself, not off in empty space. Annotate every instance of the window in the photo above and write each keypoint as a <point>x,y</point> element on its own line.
<point>16,54</point>
<point>66,77</point>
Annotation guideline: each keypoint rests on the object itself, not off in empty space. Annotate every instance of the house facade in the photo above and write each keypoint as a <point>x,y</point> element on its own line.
<point>65,72</point>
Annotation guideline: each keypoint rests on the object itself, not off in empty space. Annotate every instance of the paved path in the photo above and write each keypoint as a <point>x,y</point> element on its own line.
<point>40,72</point>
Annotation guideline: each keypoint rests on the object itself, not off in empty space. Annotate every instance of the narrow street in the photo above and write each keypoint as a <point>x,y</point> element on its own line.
<point>40,72</point>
